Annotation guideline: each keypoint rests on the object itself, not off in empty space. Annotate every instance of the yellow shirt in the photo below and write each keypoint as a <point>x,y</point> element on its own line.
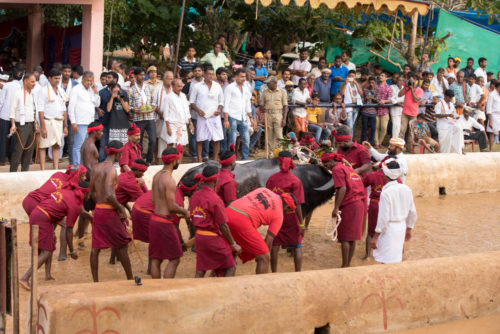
<point>313,114</point>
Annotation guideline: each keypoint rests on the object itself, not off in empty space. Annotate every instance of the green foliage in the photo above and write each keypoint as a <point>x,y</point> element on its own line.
<point>62,15</point>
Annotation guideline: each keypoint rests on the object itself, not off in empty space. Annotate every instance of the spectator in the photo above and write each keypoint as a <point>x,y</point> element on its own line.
<point>221,77</point>
<point>480,115</point>
<point>451,139</point>
<point>363,79</point>
<point>300,67</point>
<point>353,94</point>
<point>461,91</point>
<point>422,133</point>
<point>412,96</point>
<point>406,72</point>
<point>481,70</point>
<point>103,81</point>
<point>468,70</point>
<point>77,73</point>
<point>115,67</point>
<point>345,61</point>
<point>493,112</point>
<point>8,90</point>
<point>397,110</point>
<point>269,63</point>
<point>118,110</point>
<point>289,91</point>
<point>257,125</point>
<point>216,58</point>
<point>176,117</point>
<point>314,120</point>
<point>426,64</point>
<point>310,83</point>
<point>275,107</point>
<point>451,67</point>
<point>153,80</point>
<point>318,70</point>
<point>430,116</point>
<point>338,75</point>
<point>187,63</point>
<point>439,83</point>
<point>285,77</point>
<point>476,95</point>
<point>323,84</point>
<point>260,71</point>
<point>369,114</point>
<point>426,96</point>
<point>81,110</point>
<point>489,79</point>
<point>384,96</point>
<point>141,107</point>
<point>468,124</point>
<point>337,114</point>
<point>67,84</point>
<point>300,97</point>
<point>104,113</point>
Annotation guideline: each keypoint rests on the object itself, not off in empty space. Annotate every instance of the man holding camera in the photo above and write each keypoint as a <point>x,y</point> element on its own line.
<point>412,94</point>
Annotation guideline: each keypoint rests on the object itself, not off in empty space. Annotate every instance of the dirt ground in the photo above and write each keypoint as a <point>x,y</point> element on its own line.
<point>447,226</point>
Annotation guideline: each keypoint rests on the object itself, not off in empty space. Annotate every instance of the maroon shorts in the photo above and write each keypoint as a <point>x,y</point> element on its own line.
<point>372,216</point>
<point>289,234</point>
<point>29,203</point>
<point>351,226</point>
<point>164,242</point>
<point>140,223</point>
<point>212,252</point>
<point>45,229</point>
<point>108,230</point>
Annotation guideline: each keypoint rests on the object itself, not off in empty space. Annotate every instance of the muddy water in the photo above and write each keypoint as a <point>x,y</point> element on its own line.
<point>447,226</point>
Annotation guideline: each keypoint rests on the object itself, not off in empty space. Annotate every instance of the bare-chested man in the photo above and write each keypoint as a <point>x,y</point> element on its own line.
<point>164,239</point>
<point>108,229</point>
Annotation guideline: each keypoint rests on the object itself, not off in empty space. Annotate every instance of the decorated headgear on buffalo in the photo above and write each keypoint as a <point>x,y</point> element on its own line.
<point>332,156</point>
<point>171,154</point>
<point>94,126</point>
<point>139,165</point>
<point>188,183</point>
<point>392,169</point>
<point>342,134</point>
<point>133,130</point>
<point>114,147</point>
<point>210,174</point>
<point>226,158</point>
<point>290,200</point>
<point>285,160</point>
<point>398,142</point>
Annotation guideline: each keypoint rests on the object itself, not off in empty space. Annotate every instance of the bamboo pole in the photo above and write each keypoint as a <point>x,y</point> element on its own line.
<point>15,278</point>
<point>179,34</point>
<point>34,279</point>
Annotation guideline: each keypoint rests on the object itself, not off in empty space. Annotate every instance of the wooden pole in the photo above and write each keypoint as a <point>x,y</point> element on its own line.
<point>426,36</point>
<point>34,279</point>
<point>179,34</point>
<point>15,278</point>
<point>266,136</point>
<point>110,29</point>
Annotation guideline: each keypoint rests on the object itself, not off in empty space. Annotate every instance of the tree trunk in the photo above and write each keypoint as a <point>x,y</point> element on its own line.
<point>410,55</point>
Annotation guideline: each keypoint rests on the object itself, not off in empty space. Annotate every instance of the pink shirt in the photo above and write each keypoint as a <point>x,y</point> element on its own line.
<point>410,107</point>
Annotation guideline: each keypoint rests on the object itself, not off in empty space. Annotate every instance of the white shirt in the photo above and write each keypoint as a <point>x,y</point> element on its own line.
<point>352,95</point>
<point>43,80</point>
<point>121,81</point>
<point>397,111</point>
<point>281,84</point>
<point>177,109</point>
<point>51,103</point>
<point>69,87</point>
<point>316,71</point>
<point>493,104</point>
<point>443,108</point>
<point>438,86</point>
<point>469,124</point>
<point>301,66</point>
<point>475,93</point>
<point>159,95</point>
<point>399,157</point>
<point>208,100</point>
<point>350,66</point>
<point>481,72</point>
<point>82,104</point>
<point>22,105</point>
<point>237,101</point>
<point>8,90</point>
<point>300,96</point>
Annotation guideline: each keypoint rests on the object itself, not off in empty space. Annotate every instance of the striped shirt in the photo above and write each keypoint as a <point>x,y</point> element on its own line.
<point>134,95</point>
<point>185,65</point>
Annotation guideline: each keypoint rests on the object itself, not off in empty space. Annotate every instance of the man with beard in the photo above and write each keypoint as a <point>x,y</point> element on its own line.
<point>395,150</point>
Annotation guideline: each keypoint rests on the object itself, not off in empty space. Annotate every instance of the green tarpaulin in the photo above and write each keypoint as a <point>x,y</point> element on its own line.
<point>468,40</point>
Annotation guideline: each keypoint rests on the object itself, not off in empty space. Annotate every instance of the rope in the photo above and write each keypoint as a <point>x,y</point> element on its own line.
<point>21,142</point>
<point>334,223</point>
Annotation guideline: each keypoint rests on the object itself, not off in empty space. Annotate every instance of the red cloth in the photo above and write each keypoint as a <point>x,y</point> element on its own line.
<point>164,242</point>
<point>108,230</point>
<point>372,216</point>
<point>130,153</point>
<point>179,200</point>
<point>344,176</point>
<point>141,213</point>
<point>263,208</point>
<point>357,155</point>
<point>54,183</point>
<point>246,235</point>
<point>226,186</point>
<point>63,203</point>
<point>128,189</point>
<point>351,226</point>
<point>410,107</point>
<point>376,181</point>
<point>286,182</point>
<point>45,230</point>
<point>207,215</point>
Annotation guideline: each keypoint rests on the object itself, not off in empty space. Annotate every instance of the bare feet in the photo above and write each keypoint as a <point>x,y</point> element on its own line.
<point>62,257</point>
<point>49,278</point>
<point>25,284</point>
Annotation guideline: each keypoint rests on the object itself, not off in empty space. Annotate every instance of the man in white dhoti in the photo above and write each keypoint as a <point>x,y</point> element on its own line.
<point>51,109</point>
<point>395,150</point>
<point>176,117</point>
<point>396,216</point>
<point>451,139</point>
<point>207,100</point>
<point>493,112</point>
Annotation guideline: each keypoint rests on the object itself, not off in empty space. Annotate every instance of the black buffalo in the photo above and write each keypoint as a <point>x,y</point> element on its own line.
<point>317,182</point>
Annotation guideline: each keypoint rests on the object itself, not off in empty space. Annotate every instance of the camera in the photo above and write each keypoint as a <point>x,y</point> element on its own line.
<point>121,95</point>
<point>410,83</point>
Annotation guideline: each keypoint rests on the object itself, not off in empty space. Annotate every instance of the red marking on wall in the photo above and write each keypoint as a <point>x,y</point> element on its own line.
<point>381,295</point>
<point>41,307</point>
<point>94,313</point>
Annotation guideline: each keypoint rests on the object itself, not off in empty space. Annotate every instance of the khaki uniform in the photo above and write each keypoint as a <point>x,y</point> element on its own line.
<point>273,102</point>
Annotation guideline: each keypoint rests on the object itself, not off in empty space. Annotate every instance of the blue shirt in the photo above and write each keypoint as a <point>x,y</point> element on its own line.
<point>260,72</point>
<point>323,88</point>
<point>105,95</point>
<point>337,72</point>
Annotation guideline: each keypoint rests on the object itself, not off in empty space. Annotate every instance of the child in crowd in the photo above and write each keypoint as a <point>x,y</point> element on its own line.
<point>422,132</point>
<point>313,118</point>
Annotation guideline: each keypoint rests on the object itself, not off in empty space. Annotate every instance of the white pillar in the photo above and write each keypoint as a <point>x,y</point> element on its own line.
<point>92,36</point>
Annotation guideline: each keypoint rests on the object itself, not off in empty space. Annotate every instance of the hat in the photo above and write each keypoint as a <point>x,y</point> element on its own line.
<point>151,68</point>
<point>326,69</point>
<point>272,78</point>
<point>392,169</point>
<point>458,59</point>
<point>4,77</point>
<point>398,142</point>
<point>452,75</point>
<point>289,83</point>
<point>259,55</point>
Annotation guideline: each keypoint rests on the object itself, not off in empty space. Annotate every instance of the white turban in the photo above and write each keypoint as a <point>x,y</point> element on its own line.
<point>391,173</point>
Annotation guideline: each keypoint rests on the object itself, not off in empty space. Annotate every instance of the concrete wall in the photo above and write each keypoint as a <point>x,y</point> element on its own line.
<point>458,174</point>
<point>367,299</point>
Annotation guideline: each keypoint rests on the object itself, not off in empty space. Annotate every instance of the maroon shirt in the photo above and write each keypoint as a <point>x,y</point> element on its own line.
<point>207,210</point>
<point>145,201</point>
<point>357,155</point>
<point>130,153</point>
<point>128,189</point>
<point>344,176</point>
<point>226,186</point>
<point>62,203</point>
<point>54,183</point>
<point>286,182</point>
<point>376,181</point>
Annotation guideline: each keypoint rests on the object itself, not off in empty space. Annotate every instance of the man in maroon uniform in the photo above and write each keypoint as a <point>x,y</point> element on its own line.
<point>131,185</point>
<point>132,149</point>
<point>357,155</point>
<point>350,193</point>
<point>226,185</point>
<point>65,202</point>
<point>213,241</point>
<point>292,230</point>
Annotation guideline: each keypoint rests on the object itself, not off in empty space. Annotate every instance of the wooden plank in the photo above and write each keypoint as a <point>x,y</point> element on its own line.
<point>15,278</point>
<point>34,279</point>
